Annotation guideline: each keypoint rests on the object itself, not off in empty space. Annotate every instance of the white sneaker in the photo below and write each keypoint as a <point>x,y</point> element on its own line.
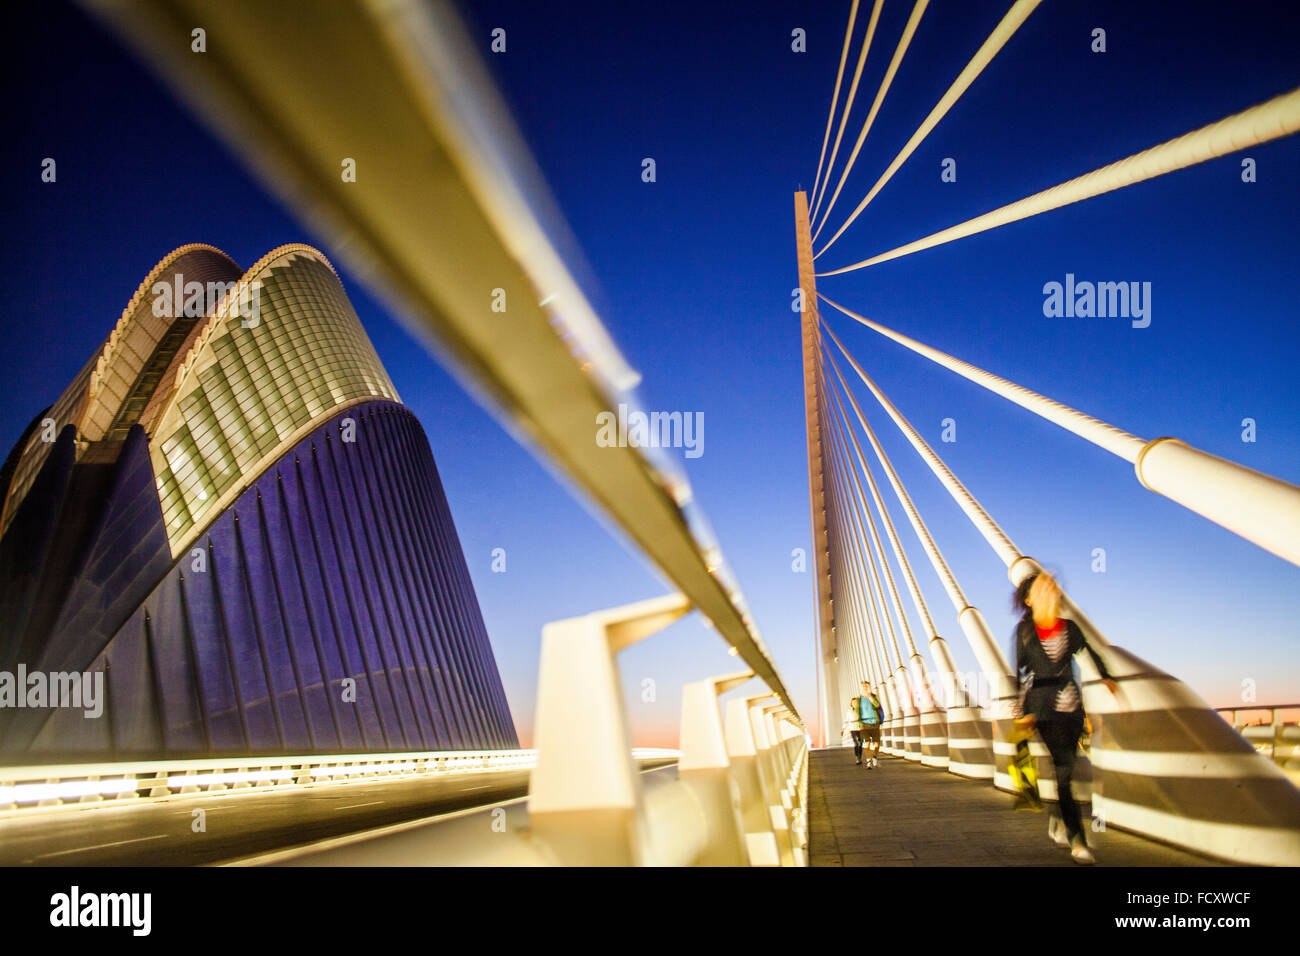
<point>1082,854</point>
<point>1056,830</point>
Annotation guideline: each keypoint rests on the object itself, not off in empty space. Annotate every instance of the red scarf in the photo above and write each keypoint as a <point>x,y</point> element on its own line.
<point>1046,633</point>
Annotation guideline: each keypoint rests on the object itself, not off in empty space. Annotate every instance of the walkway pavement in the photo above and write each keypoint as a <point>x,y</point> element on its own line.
<point>903,814</point>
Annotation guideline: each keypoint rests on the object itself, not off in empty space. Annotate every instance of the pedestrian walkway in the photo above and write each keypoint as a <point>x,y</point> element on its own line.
<point>903,814</point>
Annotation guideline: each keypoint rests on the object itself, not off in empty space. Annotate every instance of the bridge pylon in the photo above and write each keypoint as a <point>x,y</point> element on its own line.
<point>829,701</point>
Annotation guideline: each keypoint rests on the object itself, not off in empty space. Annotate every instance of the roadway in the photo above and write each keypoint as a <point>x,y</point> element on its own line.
<point>160,832</point>
<point>241,823</point>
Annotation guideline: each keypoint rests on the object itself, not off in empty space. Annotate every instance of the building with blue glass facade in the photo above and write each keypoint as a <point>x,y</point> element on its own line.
<point>230,515</point>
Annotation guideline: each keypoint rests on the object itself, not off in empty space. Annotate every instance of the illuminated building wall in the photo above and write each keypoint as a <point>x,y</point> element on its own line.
<point>242,528</point>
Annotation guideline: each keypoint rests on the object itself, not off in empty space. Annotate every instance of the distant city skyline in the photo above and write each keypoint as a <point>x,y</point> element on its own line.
<point>693,276</point>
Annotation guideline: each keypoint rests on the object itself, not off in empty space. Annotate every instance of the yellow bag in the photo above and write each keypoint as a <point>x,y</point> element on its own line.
<point>1024,768</point>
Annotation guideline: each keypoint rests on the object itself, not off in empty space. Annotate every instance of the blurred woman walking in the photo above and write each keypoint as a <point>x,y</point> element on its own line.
<point>1050,699</point>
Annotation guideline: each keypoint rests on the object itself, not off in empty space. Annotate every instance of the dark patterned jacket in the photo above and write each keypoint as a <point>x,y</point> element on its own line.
<point>1042,678</point>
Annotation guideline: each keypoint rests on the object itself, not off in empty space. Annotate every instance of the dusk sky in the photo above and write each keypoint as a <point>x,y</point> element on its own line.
<point>693,276</point>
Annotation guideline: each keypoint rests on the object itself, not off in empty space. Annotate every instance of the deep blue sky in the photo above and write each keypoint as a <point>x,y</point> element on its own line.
<point>694,275</point>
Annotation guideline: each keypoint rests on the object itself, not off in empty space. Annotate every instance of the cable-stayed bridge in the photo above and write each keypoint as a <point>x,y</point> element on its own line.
<point>746,787</point>
<point>1162,763</point>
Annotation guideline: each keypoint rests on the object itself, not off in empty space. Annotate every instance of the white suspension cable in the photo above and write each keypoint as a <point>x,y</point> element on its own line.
<point>859,633</point>
<point>903,42</point>
<point>1114,440</point>
<point>876,645</point>
<point>875,106</point>
<point>971,620</point>
<point>918,600</point>
<point>946,577</point>
<point>993,534</point>
<point>848,103</point>
<point>835,97</point>
<point>894,679</point>
<point>874,561</point>
<point>1003,32</point>
<point>944,666</point>
<point>846,632</point>
<point>1256,506</point>
<point>1270,120</point>
<point>859,626</point>
<point>992,661</point>
<point>880,570</point>
<point>914,659</point>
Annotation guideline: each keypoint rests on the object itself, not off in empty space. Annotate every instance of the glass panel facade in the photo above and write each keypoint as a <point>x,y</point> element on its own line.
<point>254,386</point>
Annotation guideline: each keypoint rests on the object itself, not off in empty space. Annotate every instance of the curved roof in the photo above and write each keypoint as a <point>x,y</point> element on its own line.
<point>247,384</point>
<point>95,399</point>
<point>224,370</point>
<point>143,325</point>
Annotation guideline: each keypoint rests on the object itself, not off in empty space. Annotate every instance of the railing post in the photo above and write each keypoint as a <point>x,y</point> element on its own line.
<point>705,767</point>
<point>585,799</point>
<point>760,838</point>
<point>792,745</point>
<point>780,756</point>
<point>791,739</point>
<point>770,776</point>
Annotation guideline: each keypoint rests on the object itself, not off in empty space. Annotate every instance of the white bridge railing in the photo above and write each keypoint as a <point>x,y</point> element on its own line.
<point>1277,739</point>
<point>741,788</point>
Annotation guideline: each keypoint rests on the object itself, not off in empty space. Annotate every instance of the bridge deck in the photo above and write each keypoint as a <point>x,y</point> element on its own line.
<point>903,814</point>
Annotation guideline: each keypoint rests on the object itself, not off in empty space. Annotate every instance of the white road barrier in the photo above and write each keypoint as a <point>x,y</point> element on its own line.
<point>40,786</point>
